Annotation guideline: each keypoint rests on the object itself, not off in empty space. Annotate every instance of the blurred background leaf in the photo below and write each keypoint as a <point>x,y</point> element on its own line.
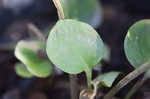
<point>137,43</point>
<point>88,11</point>
<point>22,71</point>
<point>27,52</point>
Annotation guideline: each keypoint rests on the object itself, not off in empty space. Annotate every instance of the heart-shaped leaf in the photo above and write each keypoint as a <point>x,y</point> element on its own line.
<point>74,46</point>
<point>22,71</point>
<point>137,43</point>
<point>27,52</point>
<point>83,10</point>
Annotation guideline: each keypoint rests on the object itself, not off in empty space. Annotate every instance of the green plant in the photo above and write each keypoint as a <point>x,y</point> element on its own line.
<point>27,52</point>
<point>137,47</point>
<point>137,44</point>
<point>22,71</point>
<point>74,46</point>
<point>78,44</point>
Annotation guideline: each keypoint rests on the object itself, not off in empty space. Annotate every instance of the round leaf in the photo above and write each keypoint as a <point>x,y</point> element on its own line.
<point>74,46</point>
<point>137,43</point>
<point>22,71</point>
<point>83,10</point>
<point>27,52</point>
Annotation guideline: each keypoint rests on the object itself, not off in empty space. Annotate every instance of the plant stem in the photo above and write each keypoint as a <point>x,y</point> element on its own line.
<point>59,9</point>
<point>138,84</point>
<point>89,77</point>
<point>74,86</point>
<point>127,79</point>
<point>37,32</point>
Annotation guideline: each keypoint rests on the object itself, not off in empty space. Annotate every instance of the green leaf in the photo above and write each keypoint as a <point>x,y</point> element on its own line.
<point>74,46</point>
<point>107,79</point>
<point>88,11</point>
<point>137,43</point>
<point>27,52</point>
<point>22,71</point>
